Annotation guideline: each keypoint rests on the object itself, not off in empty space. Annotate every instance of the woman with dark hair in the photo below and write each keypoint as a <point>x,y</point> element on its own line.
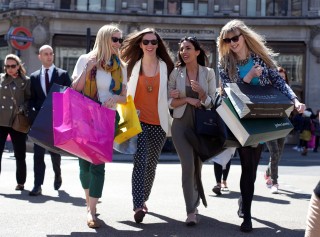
<point>245,58</point>
<point>275,148</point>
<point>191,85</point>
<point>15,95</point>
<point>149,65</point>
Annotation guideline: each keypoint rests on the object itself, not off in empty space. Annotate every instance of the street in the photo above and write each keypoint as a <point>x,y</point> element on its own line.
<point>63,212</point>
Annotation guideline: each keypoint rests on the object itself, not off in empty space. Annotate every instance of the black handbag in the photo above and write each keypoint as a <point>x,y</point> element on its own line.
<point>207,122</point>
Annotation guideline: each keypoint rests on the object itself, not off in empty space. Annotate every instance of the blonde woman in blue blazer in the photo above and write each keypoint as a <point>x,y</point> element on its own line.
<point>191,85</point>
<point>149,65</point>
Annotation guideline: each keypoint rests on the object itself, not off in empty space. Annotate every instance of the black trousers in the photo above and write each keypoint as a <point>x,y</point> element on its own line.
<point>19,147</point>
<point>39,165</point>
<point>219,172</point>
<point>249,158</point>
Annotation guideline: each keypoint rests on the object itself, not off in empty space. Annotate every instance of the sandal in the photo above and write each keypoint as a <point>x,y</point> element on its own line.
<point>217,190</point>
<point>224,187</point>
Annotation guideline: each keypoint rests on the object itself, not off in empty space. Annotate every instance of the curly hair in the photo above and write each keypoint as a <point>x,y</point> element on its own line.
<point>131,52</point>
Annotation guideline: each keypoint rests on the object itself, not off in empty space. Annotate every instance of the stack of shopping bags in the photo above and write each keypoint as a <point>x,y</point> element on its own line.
<point>256,114</point>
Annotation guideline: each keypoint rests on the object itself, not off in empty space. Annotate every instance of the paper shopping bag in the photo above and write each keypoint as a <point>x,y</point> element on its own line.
<point>253,131</point>
<point>129,124</point>
<point>83,127</point>
<point>252,101</point>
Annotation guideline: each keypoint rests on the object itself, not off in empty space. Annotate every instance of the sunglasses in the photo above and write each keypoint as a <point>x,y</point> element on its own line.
<point>234,39</point>
<point>153,42</point>
<point>115,40</point>
<point>13,66</point>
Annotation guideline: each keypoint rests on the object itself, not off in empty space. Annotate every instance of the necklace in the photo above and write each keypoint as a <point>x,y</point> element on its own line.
<point>243,62</point>
<point>149,85</point>
<point>189,77</point>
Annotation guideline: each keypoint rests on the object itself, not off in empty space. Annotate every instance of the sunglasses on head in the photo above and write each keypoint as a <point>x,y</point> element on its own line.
<point>153,42</point>
<point>234,39</point>
<point>13,66</point>
<point>116,39</point>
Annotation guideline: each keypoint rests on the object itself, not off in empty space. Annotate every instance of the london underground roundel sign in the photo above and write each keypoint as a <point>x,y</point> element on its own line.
<point>20,38</point>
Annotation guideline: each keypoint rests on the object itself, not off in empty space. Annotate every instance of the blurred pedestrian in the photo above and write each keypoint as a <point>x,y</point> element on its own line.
<point>41,82</point>
<point>15,95</point>
<point>316,122</point>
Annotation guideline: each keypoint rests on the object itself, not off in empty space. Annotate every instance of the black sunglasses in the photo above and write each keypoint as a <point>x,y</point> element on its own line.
<point>153,42</point>
<point>234,39</point>
<point>115,40</point>
<point>13,66</point>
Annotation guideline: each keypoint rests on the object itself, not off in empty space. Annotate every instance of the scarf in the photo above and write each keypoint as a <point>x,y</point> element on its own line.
<point>113,67</point>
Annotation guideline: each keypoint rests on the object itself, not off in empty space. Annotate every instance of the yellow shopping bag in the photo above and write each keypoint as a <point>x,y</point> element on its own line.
<point>129,124</point>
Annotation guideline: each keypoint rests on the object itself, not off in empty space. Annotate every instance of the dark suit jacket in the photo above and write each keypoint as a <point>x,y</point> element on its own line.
<point>59,76</point>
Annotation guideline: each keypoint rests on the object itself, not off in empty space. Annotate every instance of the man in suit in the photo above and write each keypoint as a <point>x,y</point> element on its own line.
<point>41,81</point>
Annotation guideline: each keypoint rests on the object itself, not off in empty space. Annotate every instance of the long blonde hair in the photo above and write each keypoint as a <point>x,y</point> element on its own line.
<point>102,47</point>
<point>255,43</point>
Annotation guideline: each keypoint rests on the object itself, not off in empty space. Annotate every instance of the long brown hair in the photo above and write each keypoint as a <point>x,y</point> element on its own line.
<point>131,52</point>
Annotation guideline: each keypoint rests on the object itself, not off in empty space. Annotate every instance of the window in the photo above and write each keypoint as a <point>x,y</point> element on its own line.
<point>292,58</point>
<point>86,5</point>
<point>111,6</point>
<point>276,7</point>
<point>187,8</point>
<point>203,9</point>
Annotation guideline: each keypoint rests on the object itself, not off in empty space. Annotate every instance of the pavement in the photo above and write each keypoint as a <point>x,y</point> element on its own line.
<point>63,213</point>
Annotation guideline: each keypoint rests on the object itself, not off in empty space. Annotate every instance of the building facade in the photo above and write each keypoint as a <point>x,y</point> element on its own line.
<point>291,28</point>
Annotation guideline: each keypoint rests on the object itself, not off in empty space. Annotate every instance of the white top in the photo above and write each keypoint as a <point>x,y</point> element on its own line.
<point>103,78</point>
<point>43,78</point>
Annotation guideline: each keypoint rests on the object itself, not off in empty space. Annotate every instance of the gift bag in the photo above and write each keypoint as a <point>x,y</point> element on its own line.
<point>83,127</point>
<point>41,131</point>
<point>129,124</point>
<point>252,101</point>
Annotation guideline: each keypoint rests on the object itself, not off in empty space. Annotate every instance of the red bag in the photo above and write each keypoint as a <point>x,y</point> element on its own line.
<point>83,127</point>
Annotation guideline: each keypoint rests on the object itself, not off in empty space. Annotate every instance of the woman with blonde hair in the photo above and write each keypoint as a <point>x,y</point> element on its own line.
<point>149,65</point>
<point>101,75</point>
<point>245,58</point>
<point>15,95</point>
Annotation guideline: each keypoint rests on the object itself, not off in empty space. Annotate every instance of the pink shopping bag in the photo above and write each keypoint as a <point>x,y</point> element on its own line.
<point>83,127</point>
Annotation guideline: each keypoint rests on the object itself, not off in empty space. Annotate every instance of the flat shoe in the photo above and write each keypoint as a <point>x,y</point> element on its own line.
<point>138,216</point>
<point>217,190</point>
<point>246,226</point>
<point>93,224</point>
<point>225,189</point>
<point>20,187</point>
<point>191,219</point>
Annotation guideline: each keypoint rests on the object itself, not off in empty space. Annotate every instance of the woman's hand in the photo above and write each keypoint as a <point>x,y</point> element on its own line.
<point>255,71</point>
<point>300,107</point>
<point>193,101</point>
<point>111,102</point>
<point>174,94</point>
<point>92,62</point>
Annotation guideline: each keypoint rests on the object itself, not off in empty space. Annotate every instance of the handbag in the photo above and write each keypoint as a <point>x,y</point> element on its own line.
<point>86,131</point>
<point>129,124</point>
<point>21,123</point>
<point>206,122</point>
<point>41,131</point>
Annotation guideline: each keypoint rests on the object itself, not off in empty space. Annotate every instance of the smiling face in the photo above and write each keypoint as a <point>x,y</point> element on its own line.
<point>236,42</point>
<point>187,52</point>
<point>149,44</point>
